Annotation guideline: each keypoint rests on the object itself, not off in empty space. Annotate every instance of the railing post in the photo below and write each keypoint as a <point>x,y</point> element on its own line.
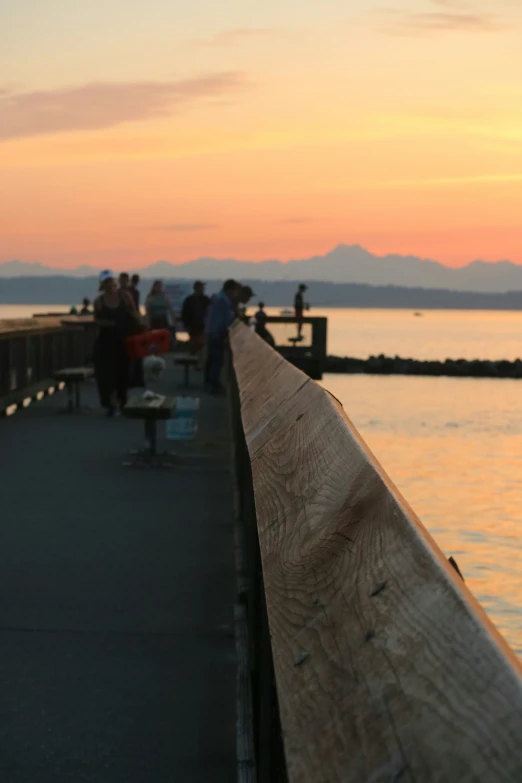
<point>268,744</point>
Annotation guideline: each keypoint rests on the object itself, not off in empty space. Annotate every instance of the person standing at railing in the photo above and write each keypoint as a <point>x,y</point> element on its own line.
<point>260,320</point>
<point>194,315</point>
<point>299,307</point>
<point>222,313</point>
<point>86,308</point>
<point>117,318</point>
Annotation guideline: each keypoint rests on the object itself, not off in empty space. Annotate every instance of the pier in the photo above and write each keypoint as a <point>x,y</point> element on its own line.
<point>268,610</point>
<point>117,592</point>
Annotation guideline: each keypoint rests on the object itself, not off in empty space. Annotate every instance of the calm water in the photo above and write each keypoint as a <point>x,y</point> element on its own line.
<point>436,334</point>
<point>454,449</point>
<point>27,311</point>
<point>453,446</point>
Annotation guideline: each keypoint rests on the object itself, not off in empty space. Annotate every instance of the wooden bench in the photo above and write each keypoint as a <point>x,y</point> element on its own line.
<point>150,410</point>
<point>73,377</point>
<point>186,361</point>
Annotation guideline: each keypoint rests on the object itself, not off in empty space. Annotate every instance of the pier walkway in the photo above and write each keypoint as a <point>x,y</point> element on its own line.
<point>117,587</point>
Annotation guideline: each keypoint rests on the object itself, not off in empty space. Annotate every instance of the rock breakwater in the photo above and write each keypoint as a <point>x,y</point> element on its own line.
<point>459,368</point>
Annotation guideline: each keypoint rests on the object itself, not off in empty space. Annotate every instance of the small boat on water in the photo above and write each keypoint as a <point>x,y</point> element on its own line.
<point>286,311</point>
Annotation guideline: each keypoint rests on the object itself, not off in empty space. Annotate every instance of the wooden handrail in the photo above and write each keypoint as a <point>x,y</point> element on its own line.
<point>387,668</point>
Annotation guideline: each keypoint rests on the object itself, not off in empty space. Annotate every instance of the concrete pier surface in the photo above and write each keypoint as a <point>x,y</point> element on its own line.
<point>117,587</point>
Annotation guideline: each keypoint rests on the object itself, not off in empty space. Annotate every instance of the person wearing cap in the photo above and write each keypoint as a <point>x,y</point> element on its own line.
<point>221,314</point>
<point>299,306</point>
<point>117,318</point>
<point>194,315</point>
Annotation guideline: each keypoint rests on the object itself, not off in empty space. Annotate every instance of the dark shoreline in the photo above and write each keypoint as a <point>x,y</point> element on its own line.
<point>453,368</point>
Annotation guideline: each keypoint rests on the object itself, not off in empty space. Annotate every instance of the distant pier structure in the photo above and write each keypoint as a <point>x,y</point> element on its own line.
<point>306,351</point>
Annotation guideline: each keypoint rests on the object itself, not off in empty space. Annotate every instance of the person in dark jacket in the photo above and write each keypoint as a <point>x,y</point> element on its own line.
<point>244,296</point>
<point>116,316</point>
<point>221,315</point>
<point>134,291</point>
<point>194,316</point>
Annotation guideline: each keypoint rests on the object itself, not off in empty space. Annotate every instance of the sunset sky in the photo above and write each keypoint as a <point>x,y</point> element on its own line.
<point>132,132</point>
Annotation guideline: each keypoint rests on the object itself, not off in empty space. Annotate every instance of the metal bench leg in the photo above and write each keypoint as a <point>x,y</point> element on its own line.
<point>70,402</point>
<point>150,436</point>
<point>77,395</point>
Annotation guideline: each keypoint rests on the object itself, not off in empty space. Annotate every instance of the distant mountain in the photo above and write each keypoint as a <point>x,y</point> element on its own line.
<point>344,264</point>
<point>33,269</point>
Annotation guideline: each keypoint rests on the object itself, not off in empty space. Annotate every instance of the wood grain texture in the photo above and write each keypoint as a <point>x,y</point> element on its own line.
<point>387,668</point>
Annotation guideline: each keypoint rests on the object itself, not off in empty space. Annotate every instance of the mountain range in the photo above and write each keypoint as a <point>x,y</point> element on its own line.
<point>344,264</point>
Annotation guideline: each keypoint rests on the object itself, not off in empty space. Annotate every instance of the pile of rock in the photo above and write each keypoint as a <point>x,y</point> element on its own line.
<point>460,368</point>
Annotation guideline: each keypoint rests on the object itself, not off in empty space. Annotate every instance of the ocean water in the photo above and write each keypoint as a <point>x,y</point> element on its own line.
<point>453,446</point>
<point>434,334</point>
<point>27,311</point>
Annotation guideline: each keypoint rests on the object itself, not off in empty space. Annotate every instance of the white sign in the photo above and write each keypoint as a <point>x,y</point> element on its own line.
<point>184,423</point>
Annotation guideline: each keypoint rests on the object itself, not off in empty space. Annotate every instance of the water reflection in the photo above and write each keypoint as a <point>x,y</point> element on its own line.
<point>454,449</point>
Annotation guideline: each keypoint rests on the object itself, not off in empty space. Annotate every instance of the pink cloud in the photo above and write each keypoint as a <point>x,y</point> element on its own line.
<point>104,105</point>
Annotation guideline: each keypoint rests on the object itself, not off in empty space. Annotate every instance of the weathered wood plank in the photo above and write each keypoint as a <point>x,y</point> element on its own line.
<point>387,667</point>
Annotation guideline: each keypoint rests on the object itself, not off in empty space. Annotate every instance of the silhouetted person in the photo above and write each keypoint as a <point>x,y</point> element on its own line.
<point>134,290</point>
<point>244,296</point>
<point>159,309</point>
<point>86,309</point>
<point>117,317</point>
<point>137,378</point>
<point>129,293</point>
<point>260,325</point>
<point>221,315</point>
<point>194,315</point>
<point>123,281</point>
<point>299,307</point>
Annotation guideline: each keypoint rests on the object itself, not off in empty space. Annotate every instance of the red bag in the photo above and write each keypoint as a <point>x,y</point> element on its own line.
<point>154,342</point>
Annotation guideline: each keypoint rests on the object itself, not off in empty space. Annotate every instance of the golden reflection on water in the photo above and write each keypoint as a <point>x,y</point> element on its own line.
<point>454,449</point>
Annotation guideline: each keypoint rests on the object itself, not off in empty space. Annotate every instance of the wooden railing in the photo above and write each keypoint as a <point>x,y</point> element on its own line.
<point>30,356</point>
<point>386,667</point>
